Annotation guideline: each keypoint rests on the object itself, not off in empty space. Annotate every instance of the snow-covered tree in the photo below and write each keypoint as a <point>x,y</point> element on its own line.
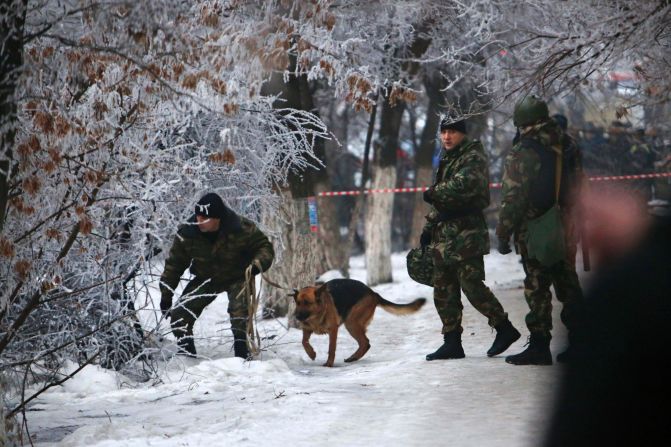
<point>119,114</point>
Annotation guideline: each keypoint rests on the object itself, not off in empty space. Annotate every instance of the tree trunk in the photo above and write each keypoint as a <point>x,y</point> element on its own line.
<point>379,210</point>
<point>380,206</point>
<point>378,227</point>
<point>330,246</point>
<point>303,255</point>
<point>12,19</point>
<point>296,263</point>
<point>424,177</point>
<point>337,252</point>
<point>424,154</point>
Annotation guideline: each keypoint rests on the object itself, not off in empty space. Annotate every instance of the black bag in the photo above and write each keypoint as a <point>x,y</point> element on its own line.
<point>545,234</point>
<point>545,238</point>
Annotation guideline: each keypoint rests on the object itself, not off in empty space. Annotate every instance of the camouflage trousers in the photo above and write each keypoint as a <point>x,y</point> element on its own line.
<point>537,284</point>
<point>450,279</point>
<point>198,294</point>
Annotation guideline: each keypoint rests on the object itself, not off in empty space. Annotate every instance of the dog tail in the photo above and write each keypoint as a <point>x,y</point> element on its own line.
<point>401,309</point>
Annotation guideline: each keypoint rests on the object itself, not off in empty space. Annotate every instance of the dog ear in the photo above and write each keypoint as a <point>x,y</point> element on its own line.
<point>294,294</point>
<point>319,293</point>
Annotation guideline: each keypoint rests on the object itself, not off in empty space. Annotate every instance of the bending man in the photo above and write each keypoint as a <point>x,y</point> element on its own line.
<point>218,246</point>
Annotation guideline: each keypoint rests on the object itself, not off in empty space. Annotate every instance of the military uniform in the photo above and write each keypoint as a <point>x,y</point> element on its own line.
<point>528,192</point>
<point>459,235</point>
<point>218,262</point>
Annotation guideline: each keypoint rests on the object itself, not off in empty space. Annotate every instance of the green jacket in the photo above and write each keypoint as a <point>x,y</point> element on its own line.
<point>238,243</point>
<point>522,177</point>
<point>461,192</point>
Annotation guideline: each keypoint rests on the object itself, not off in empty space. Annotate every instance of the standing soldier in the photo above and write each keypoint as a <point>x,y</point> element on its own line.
<point>535,198</point>
<point>456,231</point>
<point>217,246</point>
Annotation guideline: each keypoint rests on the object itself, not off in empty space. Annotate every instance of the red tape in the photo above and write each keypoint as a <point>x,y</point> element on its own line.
<point>491,185</point>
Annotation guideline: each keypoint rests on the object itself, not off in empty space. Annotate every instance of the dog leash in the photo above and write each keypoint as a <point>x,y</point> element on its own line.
<point>253,337</point>
<point>274,284</point>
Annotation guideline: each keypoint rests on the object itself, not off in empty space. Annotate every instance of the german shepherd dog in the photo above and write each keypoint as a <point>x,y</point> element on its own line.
<point>322,309</point>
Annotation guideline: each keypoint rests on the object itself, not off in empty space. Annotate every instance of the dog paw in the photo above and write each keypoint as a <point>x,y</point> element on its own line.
<point>351,359</point>
<point>328,364</point>
<point>311,353</point>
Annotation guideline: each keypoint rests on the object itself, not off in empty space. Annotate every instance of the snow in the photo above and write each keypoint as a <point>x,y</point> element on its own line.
<point>391,397</point>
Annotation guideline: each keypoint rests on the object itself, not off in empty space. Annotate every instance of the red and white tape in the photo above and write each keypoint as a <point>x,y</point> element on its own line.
<point>372,191</point>
<point>630,177</point>
<point>491,185</point>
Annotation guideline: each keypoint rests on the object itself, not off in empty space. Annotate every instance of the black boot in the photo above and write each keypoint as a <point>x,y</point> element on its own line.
<point>451,348</point>
<point>185,346</point>
<point>506,335</point>
<point>240,344</point>
<point>538,352</point>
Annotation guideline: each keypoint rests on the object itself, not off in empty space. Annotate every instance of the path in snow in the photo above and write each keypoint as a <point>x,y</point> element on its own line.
<point>391,397</point>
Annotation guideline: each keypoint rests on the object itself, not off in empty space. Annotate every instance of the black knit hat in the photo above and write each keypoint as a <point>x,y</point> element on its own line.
<point>211,205</point>
<point>450,123</point>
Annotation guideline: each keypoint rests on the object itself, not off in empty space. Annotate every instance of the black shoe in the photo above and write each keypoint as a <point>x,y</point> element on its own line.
<point>506,335</point>
<point>186,347</point>
<point>451,348</point>
<point>538,352</point>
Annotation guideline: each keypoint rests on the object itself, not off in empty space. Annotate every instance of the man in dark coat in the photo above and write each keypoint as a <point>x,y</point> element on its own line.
<point>615,388</point>
<point>217,246</point>
<point>456,232</point>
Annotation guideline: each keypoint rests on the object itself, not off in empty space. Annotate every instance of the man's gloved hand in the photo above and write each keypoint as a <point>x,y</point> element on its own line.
<point>428,195</point>
<point>504,246</point>
<point>166,304</point>
<point>425,238</point>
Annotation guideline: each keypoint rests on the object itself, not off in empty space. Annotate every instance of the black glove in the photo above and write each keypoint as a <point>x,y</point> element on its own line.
<point>166,304</point>
<point>504,246</point>
<point>425,238</point>
<point>255,270</point>
<point>428,195</point>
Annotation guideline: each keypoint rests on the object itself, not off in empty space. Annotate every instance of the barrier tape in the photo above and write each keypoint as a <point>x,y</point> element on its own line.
<point>491,185</point>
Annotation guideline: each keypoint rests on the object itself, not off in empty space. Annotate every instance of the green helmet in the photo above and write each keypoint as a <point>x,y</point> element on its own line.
<point>530,110</point>
<point>419,262</point>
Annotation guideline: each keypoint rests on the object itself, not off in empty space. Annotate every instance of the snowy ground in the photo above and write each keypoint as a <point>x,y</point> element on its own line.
<point>391,397</point>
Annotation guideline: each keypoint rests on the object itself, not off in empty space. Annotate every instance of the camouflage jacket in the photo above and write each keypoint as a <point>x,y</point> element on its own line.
<point>238,243</point>
<point>461,192</point>
<point>521,175</point>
